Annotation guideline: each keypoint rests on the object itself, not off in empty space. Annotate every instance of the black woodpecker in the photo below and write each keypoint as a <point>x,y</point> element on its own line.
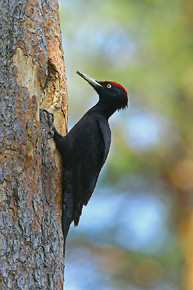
<point>85,148</point>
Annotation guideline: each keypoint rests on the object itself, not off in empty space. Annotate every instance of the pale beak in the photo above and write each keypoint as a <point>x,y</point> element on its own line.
<point>90,80</point>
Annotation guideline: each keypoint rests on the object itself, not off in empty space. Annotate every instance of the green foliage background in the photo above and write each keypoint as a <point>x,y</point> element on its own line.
<point>146,45</point>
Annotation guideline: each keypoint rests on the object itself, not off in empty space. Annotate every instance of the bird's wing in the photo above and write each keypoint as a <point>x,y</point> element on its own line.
<point>89,155</point>
<point>106,133</point>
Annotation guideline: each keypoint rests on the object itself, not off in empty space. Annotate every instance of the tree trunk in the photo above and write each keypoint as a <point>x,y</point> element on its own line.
<point>32,76</point>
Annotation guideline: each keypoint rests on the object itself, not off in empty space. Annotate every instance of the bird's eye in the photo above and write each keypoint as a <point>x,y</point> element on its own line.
<point>108,86</point>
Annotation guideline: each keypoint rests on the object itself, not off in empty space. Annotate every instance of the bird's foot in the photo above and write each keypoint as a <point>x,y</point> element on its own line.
<point>50,123</point>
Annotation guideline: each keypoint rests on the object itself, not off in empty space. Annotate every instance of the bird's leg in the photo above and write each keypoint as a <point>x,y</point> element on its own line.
<point>50,123</point>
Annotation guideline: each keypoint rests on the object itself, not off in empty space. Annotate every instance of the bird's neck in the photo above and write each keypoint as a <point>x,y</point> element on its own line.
<point>104,109</point>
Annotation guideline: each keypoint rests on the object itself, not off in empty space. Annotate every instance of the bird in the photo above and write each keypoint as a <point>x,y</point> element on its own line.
<point>85,148</point>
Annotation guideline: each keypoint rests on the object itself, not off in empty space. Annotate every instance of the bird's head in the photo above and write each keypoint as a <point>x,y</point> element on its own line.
<point>110,93</point>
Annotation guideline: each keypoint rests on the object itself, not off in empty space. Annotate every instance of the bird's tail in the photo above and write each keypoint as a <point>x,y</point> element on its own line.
<point>67,203</point>
<point>66,222</point>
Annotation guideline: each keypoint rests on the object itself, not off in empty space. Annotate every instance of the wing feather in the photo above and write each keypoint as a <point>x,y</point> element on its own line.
<point>88,158</point>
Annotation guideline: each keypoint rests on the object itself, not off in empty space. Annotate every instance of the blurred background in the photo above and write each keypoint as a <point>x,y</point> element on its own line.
<point>137,231</point>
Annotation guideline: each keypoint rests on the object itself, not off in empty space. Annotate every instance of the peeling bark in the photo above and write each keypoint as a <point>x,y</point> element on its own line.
<point>32,76</point>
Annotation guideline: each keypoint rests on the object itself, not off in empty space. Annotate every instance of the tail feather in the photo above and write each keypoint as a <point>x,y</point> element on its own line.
<point>67,202</point>
<point>66,222</point>
<point>77,214</point>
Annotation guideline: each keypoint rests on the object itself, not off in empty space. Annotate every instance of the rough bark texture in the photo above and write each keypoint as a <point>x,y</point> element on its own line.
<point>32,76</point>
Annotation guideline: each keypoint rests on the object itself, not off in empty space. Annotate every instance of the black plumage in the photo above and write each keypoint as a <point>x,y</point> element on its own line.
<point>85,148</point>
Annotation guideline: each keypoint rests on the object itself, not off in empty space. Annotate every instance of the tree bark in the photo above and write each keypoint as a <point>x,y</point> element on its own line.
<point>32,76</point>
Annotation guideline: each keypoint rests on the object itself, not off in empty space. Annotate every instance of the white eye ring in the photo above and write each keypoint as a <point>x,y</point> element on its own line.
<point>108,86</point>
